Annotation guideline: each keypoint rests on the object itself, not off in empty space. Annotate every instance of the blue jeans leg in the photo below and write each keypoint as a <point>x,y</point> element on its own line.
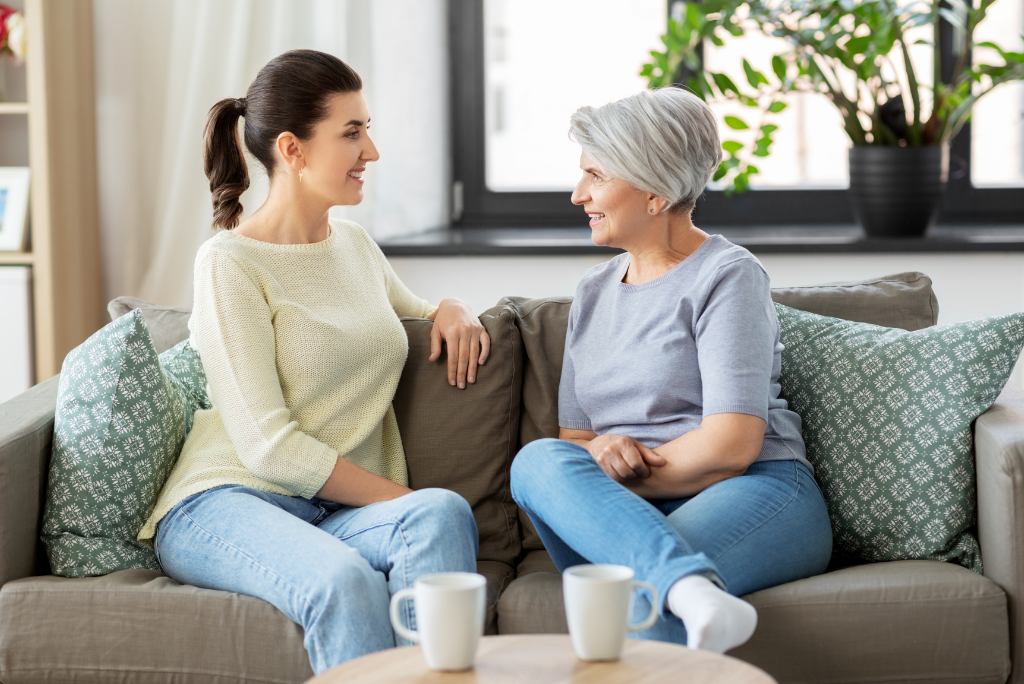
<point>240,539</point>
<point>582,515</point>
<point>427,531</point>
<point>764,528</point>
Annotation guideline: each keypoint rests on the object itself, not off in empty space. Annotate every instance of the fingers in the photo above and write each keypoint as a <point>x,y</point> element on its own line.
<point>474,357</point>
<point>485,346</point>
<point>435,343</point>
<point>631,455</point>
<point>453,359</point>
<point>651,457</point>
<point>465,343</point>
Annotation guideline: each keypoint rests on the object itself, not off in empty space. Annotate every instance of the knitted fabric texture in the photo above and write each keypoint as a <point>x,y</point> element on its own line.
<point>303,349</point>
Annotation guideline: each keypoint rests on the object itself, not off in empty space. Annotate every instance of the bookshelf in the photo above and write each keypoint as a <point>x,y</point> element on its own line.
<point>60,108</point>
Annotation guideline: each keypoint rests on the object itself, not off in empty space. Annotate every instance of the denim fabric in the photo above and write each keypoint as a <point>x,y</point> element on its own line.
<point>330,568</point>
<point>764,528</point>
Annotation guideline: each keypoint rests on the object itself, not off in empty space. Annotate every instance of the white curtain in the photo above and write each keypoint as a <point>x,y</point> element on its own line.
<point>161,65</point>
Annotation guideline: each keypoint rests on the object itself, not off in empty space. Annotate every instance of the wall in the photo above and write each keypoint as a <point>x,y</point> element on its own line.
<point>967,285</point>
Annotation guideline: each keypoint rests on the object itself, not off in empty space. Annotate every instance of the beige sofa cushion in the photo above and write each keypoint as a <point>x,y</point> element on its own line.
<point>143,627</point>
<point>920,621</point>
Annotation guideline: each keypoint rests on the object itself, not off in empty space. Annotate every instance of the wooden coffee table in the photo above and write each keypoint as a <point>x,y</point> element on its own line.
<point>549,659</point>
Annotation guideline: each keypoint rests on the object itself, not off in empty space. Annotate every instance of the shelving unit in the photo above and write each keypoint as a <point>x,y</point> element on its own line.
<point>64,214</point>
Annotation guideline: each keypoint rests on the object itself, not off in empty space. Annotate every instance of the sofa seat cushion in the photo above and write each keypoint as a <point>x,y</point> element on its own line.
<point>141,626</point>
<point>921,621</point>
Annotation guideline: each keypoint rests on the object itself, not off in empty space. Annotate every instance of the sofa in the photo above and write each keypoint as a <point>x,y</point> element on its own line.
<point>919,621</point>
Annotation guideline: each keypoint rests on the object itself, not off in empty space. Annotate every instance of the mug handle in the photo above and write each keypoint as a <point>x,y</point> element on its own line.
<point>396,616</point>
<point>654,606</point>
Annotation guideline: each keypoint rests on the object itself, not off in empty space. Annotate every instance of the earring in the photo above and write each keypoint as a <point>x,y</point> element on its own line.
<point>300,175</point>
<point>652,211</point>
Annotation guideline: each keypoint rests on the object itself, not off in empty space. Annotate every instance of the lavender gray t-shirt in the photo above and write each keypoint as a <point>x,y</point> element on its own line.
<point>651,360</point>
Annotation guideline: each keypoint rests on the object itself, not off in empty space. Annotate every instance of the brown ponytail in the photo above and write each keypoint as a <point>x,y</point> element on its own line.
<point>289,94</point>
<point>224,163</point>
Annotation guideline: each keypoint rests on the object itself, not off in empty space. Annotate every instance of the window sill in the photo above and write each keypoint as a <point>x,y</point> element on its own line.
<point>766,240</point>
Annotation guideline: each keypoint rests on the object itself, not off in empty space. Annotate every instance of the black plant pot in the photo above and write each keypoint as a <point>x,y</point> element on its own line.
<point>896,190</point>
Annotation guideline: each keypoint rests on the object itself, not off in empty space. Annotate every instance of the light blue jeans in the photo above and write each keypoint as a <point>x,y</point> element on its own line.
<point>330,568</point>
<point>764,528</point>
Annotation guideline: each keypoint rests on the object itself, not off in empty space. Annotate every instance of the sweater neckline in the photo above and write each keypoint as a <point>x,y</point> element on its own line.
<point>664,277</point>
<point>320,246</point>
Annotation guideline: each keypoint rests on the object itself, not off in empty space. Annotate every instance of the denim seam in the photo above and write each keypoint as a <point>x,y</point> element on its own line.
<point>259,565</point>
<point>766,520</point>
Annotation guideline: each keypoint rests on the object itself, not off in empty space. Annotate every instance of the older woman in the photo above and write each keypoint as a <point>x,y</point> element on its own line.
<point>676,456</point>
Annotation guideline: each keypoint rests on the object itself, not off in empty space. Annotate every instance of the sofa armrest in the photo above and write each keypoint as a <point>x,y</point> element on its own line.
<point>26,437</point>
<point>999,458</point>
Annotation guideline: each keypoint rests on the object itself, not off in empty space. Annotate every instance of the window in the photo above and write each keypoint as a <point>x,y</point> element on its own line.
<point>997,138</point>
<point>521,67</point>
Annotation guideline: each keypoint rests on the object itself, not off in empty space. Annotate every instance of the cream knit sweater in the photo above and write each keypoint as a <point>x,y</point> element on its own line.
<point>302,349</point>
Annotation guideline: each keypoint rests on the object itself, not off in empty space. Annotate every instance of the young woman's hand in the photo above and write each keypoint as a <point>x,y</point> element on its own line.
<point>457,326</point>
<point>623,458</point>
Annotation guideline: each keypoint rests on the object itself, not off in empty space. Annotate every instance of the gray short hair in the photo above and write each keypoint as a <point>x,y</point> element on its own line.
<point>661,141</point>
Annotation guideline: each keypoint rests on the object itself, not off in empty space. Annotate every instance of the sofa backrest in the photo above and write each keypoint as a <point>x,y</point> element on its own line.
<point>465,440</point>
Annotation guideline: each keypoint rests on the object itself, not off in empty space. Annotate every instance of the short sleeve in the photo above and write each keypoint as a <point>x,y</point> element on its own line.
<point>735,335</point>
<point>570,415</point>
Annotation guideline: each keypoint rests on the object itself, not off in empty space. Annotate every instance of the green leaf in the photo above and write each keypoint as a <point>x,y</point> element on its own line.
<point>779,67</point>
<point>720,172</point>
<point>768,129</point>
<point>776,107</point>
<point>735,123</point>
<point>731,146</point>
<point>725,83</point>
<point>858,46</point>
<point>754,77</point>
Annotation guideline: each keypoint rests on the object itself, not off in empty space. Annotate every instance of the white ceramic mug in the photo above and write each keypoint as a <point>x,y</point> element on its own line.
<point>450,609</point>
<point>598,602</point>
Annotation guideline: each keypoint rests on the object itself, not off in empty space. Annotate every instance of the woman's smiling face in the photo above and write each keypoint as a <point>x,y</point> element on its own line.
<point>337,154</point>
<point>613,205</point>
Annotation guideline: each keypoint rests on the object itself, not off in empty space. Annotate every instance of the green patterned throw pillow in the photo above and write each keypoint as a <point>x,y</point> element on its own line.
<point>120,424</point>
<point>887,421</point>
<point>182,363</point>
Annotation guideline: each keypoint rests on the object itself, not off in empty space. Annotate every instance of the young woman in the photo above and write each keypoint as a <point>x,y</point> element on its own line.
<point>293,487</point>
<point>676,456</point>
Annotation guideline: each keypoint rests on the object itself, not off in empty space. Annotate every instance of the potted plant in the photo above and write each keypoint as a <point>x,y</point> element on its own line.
<point>847,50</point>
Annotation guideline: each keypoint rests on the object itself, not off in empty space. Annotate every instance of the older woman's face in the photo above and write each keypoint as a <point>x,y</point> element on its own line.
<point>612,204</point>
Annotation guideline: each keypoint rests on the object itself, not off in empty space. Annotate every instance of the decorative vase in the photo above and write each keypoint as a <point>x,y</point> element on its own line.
<point>896,190</point>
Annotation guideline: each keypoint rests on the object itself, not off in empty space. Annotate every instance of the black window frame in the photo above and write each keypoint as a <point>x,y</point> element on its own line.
<point>475,206</point>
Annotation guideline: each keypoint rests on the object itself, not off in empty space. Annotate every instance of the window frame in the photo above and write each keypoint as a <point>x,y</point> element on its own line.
<point>476,206</point>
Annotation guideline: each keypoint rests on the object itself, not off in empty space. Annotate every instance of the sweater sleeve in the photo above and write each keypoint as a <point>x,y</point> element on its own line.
<point>233,332</point>
<point>403,301</point>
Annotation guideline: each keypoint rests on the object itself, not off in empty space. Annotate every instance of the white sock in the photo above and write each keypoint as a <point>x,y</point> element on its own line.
<point>714,620</point>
